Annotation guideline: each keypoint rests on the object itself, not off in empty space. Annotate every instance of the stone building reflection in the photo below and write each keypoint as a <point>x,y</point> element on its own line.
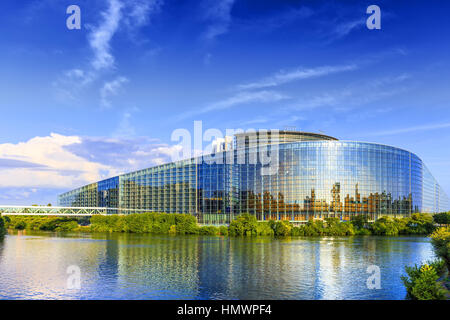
<point>335,206</point>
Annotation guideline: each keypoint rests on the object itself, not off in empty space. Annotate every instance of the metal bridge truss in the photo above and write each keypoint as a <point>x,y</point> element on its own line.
<point>63,211</point>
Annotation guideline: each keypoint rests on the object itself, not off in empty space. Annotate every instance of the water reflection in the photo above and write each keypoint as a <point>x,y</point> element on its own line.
<point>128,266</point>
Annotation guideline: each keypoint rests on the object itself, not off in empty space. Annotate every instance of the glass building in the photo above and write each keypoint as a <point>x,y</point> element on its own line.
<point>311,176</point>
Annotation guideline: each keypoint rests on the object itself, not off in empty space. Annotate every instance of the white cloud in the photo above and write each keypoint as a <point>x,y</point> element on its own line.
<point>79,76</point>
<point>133,14</point>
<point>218,14</point>
<point>257,120</point>
<point>426,127</point>
<point>119,15</point>
<point>65,162</point>
<point>126,128</point>
<point>101,36</point>
<point>246,97</point>
<point>353,95</point>
<point>109,89</point>
<point>297,74</point>
<point>71,83</point>
<point>55,166</point>
<point>75,73</point>
<point>140,11</point>
<point>343,29</point>
<point>238,99</point>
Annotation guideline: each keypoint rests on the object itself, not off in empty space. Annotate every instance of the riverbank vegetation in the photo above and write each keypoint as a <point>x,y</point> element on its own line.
<point>442,218</point>
<point>2,226</point>
<point>431,281</point>
<point>417,224</point>
<point>243,225</point>
<point>440,240</point>
<point>422,283</point>
<point>42,223</point>
<point>156,223</point>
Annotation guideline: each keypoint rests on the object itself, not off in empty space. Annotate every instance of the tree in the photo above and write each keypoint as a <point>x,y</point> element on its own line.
<point>442,218</point>
<point>385,226</point>
<point>440,240</point>
<point>421,223</point>
<point>281,228</point>
<point>244,225</point>
<point>2,226</point>
<point>360,221</point>
<point>421,282</point>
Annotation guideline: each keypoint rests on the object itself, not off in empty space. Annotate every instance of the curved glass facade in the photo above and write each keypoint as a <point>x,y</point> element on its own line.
<point>314,179</point>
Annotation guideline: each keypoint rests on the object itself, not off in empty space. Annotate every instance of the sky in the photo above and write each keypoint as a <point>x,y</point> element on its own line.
<point>86,104</point>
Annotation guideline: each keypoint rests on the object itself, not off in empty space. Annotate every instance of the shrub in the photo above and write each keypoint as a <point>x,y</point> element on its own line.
<point>420,223</point>
<point>385,226</point>
<point>329,227</point>
<point>151,222</point>
<point>334,227</point>
<point>264,228</point>
<point>360,221</point>
<point>244,225</point>
<point>363,232</point>
<point>173,229</point>
<point>440,240</point>
<point>297,231</point>
<point>421,282</point>
<point>7,221</point>
<point>186,224</point>
<point>223,230</point>
<point>142,223</point>
<point>208,231</point>
<point>313,228</point>
<point>67,226</point>
<point>346,228</point>
<point>2,226</point>
<point>281,228</point>
<point>20,225</point>
<point>56,224</point>
<point>105,224</point>
<point>442,218</point>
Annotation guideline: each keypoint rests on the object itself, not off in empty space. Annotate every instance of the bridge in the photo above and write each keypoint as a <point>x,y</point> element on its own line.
<point>63,211</point>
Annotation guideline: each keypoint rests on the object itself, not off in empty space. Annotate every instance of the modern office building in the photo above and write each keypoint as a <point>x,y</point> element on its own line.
<point>307,176</point>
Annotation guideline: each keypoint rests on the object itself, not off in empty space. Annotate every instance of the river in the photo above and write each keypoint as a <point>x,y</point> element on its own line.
<point>38,265</point>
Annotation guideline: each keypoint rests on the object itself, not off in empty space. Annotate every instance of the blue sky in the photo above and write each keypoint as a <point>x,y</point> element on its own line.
<point>81,105</point>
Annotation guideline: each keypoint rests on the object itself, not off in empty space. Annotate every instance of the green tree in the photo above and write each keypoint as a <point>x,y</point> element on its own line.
<point>360,221</point>
<point>385,226</point>
<point>442,218</point>
<point>440,240</point>
<point>244,225</point>
<point>186,224</point>
<point>20,225</point>
<point>421,282</point>
<point>313,228</point>
<point>173,229</point>
<point>2,226</point>
<point>208,231</point>
<point>264,228</point>
<point>223,230</point>
<point>420,223</point>
<point>281,228</point>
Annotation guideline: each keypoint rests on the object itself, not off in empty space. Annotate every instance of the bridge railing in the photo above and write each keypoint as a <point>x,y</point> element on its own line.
<point>63,211</point>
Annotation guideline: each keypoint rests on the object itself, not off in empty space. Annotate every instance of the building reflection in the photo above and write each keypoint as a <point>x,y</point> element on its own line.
<point>130,266</point>
<point>312,206</point>
<point>108,267</point>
